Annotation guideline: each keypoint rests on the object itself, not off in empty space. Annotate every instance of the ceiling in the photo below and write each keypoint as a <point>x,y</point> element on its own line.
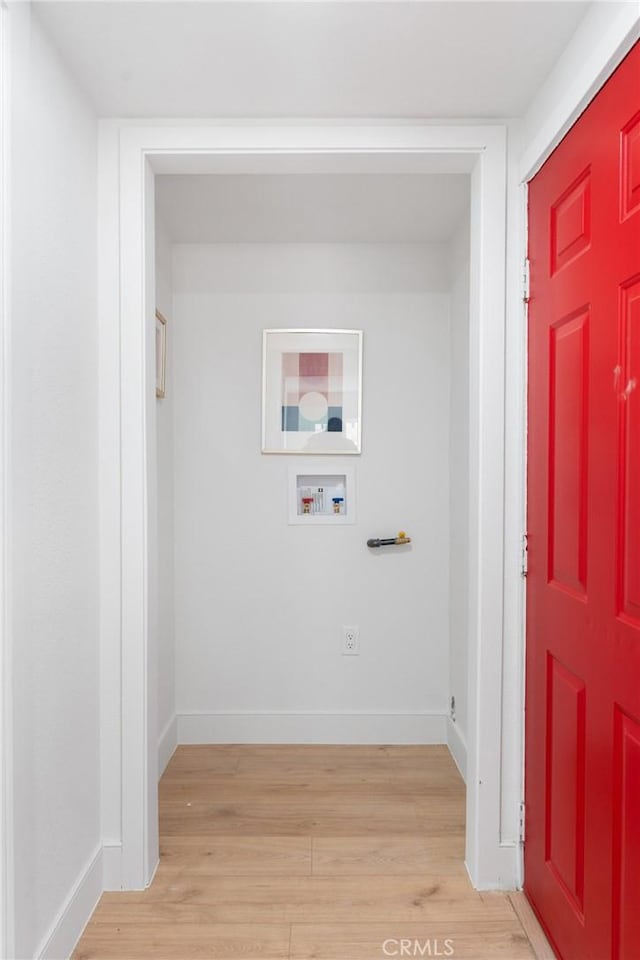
<point>311,59</point>
<point>313,208</point>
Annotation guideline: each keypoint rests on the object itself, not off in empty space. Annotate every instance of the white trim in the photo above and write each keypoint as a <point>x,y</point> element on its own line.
<point>150,554</point>
<point>167,743</point>
<point>133,530</point>
<point>6,724</point>
<point>490,863</point>
<point>78,907</point>
<point>602,40</point>
<point>487,861</point>
<point>514,507</point>
<point>112,866</point>
<point>334,728</point>
<point>109,542</point>
<point>457,747</point>
<point>515,522</point>
<point>138,742</point>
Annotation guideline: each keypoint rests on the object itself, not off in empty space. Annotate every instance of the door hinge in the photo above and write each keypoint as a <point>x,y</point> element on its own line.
<point>526,281</point>
<point>521,812</point>
<point>524,559</point>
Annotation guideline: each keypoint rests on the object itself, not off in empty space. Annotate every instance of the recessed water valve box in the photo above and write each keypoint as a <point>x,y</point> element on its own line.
<point>321,494</point>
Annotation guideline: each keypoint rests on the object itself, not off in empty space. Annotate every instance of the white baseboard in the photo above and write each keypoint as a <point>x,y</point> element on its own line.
<point>167,744</point>
<point>74,915</point>
<point>458,747</point>
<point>354,728</point>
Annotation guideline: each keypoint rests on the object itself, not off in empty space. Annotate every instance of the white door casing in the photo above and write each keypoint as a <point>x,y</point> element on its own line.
<point>6,725</point>
<point>128,156</point>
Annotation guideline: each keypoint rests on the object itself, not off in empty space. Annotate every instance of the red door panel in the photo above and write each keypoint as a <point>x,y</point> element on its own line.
<point>582,854</point>
<point>626,880</point>
<point>564,828</point>
<point>568,447</point>
<point>628,559</point>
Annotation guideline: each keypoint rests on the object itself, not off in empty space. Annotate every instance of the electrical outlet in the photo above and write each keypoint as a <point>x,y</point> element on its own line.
<point>350,641</point>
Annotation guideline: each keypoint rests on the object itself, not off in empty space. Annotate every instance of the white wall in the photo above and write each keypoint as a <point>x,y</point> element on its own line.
<point>459,491</point>
<point>259,604</point>
<point>53,478</point>
<point>605,34</point>
<point>164,428</point>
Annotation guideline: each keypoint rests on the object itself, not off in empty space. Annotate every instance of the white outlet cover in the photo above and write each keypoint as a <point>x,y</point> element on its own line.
<point>351,650</point>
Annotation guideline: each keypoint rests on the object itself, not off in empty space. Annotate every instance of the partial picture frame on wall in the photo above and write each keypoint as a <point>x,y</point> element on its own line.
<point>161,354</point>
<point>312,392</point>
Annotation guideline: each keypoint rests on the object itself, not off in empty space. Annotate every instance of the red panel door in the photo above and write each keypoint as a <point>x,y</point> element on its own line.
<point>582,851</point>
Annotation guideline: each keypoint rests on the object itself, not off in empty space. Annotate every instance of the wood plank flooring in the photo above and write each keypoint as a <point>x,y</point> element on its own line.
<point>332,853</point>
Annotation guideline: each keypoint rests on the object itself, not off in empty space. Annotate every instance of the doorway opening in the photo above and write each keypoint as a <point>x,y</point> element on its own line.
<point>252,606</point>
<point>247,282</point>
<point>258,602</point>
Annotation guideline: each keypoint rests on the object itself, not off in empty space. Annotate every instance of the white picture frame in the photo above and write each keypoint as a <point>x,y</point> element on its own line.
<point>161,355</point>
<point>312,392</point>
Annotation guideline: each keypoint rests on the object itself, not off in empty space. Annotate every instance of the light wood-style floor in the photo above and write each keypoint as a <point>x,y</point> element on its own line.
<point>308,851</point>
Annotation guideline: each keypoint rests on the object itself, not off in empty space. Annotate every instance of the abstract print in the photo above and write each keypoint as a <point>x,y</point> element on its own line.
<point>312,392</point>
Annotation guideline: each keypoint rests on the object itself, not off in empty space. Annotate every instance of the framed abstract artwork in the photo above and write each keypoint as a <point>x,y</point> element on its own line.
<point>312,392</point>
